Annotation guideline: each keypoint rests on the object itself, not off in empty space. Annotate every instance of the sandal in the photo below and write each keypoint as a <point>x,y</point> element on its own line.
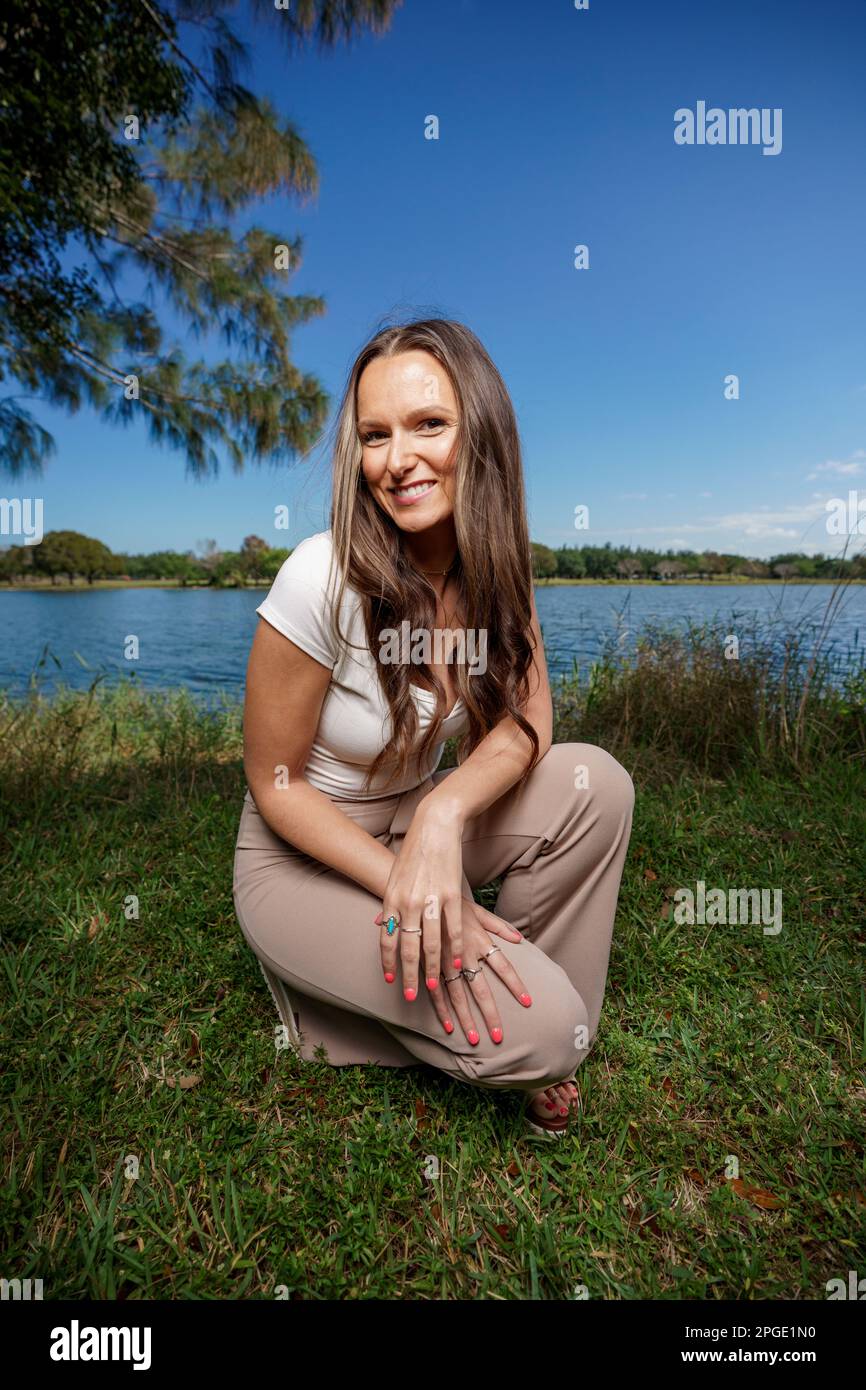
<point>553,1127</point>
<point>548,1129</point>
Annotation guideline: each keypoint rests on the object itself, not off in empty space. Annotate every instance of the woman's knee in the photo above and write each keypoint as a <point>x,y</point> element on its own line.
<point>554,1040</point>
<point>583,770</point>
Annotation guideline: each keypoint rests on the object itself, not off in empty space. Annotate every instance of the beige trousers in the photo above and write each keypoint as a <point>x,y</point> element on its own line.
<point>559,845</point>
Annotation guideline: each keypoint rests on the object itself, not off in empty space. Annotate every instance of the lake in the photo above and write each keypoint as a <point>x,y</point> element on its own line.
<point>200,638</point>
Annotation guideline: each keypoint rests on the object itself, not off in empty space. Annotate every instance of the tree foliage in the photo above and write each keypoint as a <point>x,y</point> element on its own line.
<point>128,146</point>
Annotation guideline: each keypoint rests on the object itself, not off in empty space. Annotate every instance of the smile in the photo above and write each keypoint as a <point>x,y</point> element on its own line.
<point>413,492</point>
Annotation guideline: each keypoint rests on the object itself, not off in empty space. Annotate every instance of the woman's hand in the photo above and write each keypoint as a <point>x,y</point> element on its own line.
<point>424,887</point>
<point>480,928</point>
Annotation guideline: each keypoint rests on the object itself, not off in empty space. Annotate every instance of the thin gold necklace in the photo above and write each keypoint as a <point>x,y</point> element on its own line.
<point>449,617</point>
<point>448,571</point>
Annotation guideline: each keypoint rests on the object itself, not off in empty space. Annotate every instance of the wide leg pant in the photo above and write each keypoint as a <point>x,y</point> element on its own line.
<point>559,845</point>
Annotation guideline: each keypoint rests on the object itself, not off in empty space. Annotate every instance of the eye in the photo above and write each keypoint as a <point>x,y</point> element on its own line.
<point>434,422</point>
<point>371,436</point>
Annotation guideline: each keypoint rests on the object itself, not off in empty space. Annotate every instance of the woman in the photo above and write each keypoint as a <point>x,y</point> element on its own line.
<point>410,621</point>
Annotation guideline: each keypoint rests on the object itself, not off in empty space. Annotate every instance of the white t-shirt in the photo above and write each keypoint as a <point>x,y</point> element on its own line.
<point>355,723</point>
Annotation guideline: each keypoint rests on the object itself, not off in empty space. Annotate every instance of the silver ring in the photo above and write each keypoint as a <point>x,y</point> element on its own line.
<point>470,974</point>
<point>410,931</point>
<point>449,979</point>
<point>490,952</point>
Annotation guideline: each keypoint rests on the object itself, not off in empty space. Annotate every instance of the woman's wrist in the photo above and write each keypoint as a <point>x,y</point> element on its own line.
<point>441,807</point>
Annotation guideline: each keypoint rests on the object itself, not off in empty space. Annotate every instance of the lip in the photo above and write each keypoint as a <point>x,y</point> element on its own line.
<point>419,497</point>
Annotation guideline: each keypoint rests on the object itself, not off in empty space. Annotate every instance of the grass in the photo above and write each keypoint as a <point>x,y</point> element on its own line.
<point>157,1146</point>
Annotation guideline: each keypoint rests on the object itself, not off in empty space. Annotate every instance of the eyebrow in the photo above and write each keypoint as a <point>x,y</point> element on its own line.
<point>424,412</point>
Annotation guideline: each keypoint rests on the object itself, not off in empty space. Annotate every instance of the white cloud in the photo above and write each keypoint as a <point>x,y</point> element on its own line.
<point>743,532</point>
<point>845,468</point>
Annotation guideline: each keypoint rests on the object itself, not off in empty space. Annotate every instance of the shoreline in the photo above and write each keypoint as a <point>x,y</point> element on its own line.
<point>730,581</point>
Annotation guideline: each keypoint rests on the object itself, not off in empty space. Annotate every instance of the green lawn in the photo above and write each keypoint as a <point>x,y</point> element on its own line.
<point>154,1038</point>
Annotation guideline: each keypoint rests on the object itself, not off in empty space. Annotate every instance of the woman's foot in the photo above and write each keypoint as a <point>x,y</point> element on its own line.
<point>555,1106</point>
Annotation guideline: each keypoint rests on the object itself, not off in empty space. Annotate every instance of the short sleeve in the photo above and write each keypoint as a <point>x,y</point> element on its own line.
<point>299,601</point>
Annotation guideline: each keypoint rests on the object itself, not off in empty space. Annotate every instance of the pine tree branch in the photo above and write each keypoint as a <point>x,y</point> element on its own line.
<point>177,50</point>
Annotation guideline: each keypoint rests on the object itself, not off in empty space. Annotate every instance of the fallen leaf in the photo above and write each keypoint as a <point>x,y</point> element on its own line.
<point>98,921</point>
<point>668,1088</point>
<point>184,1082</point>
<point>756,1195</point>
<point>650,876</point>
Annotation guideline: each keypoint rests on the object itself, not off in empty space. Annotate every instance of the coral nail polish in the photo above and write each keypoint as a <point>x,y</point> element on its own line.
<point>432,984</point>
<point>389,977</point>
<point>409,994</point>
<point>377,921</point>
<point>549,1105</point>
<point>448,1026</point>
<point>458,964</point>
<point>562,1110</point>
<point>473,1038</point>
<point>496,1035</point>
<point>526,1000</point>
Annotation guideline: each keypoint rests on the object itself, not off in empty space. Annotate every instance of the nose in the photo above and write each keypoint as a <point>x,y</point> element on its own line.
<point>401,459</point>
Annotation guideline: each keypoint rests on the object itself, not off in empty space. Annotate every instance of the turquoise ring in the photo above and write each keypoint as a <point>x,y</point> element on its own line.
<point>391,925</point>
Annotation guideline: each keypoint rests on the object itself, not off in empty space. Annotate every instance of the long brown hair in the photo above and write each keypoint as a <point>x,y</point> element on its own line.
<point>493,570</point>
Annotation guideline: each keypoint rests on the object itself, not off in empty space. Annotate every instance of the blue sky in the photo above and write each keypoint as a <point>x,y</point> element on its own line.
<point>556,128</point>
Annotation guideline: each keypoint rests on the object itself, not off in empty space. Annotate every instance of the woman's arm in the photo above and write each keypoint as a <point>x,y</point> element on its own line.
<point>425,884</point>
<point>501,757</point>
<point>285,692</point>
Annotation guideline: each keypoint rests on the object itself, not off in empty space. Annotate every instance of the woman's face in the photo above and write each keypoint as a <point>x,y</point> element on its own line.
<point>408,425</point>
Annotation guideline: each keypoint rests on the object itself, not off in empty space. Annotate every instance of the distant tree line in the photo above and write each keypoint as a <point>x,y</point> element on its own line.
<point>69,556</point>
<point>622,562</point>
